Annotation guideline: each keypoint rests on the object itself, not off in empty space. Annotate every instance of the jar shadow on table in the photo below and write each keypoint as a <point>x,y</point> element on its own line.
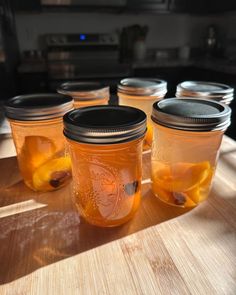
<point>38,229</point>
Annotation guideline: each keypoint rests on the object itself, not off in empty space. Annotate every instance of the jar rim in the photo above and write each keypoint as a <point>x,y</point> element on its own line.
<point>203,89</point>
<point>104,124</point>
<point>142,87</point>
<point>84,91</point>
<point>37,107</point>
<point>191,114</point>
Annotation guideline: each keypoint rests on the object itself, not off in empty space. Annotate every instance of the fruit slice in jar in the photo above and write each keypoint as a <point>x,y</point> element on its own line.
<point>161,193</point>
<point>180,177</point>
<point>53,174</point>
<point>200,192</point>
<point>36,151</point>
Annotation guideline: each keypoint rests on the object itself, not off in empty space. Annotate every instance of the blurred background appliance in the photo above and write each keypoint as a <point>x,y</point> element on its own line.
<point>84,57</point>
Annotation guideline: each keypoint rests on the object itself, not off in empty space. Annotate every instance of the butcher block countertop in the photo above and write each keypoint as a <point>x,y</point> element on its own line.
<point>45,248</point>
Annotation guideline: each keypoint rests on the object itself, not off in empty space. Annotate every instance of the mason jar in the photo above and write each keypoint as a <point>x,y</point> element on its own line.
<point>206,90</point>
<point>86,93</point>
<point>105,145</point>
<point>187,138</point>
<point>141,93</point>
<point>37,130</point>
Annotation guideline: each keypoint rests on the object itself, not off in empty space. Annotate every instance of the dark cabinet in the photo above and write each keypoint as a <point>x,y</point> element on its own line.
<point>186,6</point>
<point>219,6</point>
<point>202,6</point>
<point>147,5</point>
<point>26,5</point>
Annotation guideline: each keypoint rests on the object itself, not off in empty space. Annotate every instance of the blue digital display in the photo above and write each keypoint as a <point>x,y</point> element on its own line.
<point>82,37</point>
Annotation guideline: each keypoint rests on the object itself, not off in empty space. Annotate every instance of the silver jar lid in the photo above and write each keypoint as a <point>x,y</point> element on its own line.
<point>191,114</point>
<point>84,91</point>
<point>142,87</point>
<point>34,107</point>
<point>105,124</point>
<point>208,90</point>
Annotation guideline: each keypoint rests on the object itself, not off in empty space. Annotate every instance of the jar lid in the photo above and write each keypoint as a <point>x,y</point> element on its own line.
<point>105,124</point>
<point>191,114</point>
<point>33,107</point>
<point>142,87</point>
<point>206,90</point>
<point>84,90</point>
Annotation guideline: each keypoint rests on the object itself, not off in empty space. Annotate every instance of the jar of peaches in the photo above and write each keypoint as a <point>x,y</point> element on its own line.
<point>142,93</point>
<point>105,145</point>
<point>37,130</point>
<point>187,137</point>
<point>86,93</point>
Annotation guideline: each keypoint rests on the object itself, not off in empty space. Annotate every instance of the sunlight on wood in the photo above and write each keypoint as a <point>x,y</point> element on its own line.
<point>20,208</point>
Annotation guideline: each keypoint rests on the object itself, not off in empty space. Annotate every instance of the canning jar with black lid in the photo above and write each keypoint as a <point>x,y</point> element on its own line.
<point>186,142</point>
<point>105,144</point>
<point>142,93</point>
<point>37,130</point>
<point>206,90</point>
<point>86,93</point>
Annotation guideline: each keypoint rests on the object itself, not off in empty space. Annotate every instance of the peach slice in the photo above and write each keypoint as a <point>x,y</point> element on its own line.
<point>37,150</point>
<point>53,174</point>
<point>161,193</point>
<point>181,177</point>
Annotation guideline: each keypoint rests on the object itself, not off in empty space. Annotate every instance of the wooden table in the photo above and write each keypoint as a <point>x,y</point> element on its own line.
<point>45,248</point>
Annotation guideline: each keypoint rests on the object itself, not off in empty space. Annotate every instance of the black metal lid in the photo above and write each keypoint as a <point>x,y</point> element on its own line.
<point>105,124</point>
<point>33,107</point>
<point>143,87</point>
<point>191,114</point>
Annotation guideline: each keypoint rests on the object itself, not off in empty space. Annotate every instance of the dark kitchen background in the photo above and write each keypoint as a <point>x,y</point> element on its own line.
<point>46,42</point>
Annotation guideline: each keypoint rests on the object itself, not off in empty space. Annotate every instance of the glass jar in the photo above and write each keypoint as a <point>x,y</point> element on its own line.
<point>187,138</point>
<point>206,90</point>
<point>37,130</point>
<point>141,93</point>
<point>86,93</point>
<point>105,144</point>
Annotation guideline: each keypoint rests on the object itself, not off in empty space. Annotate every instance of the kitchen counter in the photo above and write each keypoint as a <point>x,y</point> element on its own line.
<point>45,248</point>
<point>215,64</point>
<point>218,64</point>
<point>162,63</point>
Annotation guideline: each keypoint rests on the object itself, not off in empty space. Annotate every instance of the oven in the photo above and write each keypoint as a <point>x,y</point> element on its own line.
<point>84,57</point>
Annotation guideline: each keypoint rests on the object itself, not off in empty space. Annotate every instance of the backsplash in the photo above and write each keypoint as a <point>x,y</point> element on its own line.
<point>165,31</point>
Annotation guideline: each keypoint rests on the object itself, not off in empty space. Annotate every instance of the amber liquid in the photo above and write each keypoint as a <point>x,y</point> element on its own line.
<point>107,181</point>
<point>143,103</point>
<point>41,155</point>
<point>183,164</point>
<point>87,103</point>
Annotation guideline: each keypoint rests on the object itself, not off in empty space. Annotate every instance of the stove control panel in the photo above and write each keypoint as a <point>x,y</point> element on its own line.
<point>83,39</point>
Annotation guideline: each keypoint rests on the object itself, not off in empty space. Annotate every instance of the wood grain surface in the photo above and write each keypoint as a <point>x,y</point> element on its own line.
<point>45,248</point>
